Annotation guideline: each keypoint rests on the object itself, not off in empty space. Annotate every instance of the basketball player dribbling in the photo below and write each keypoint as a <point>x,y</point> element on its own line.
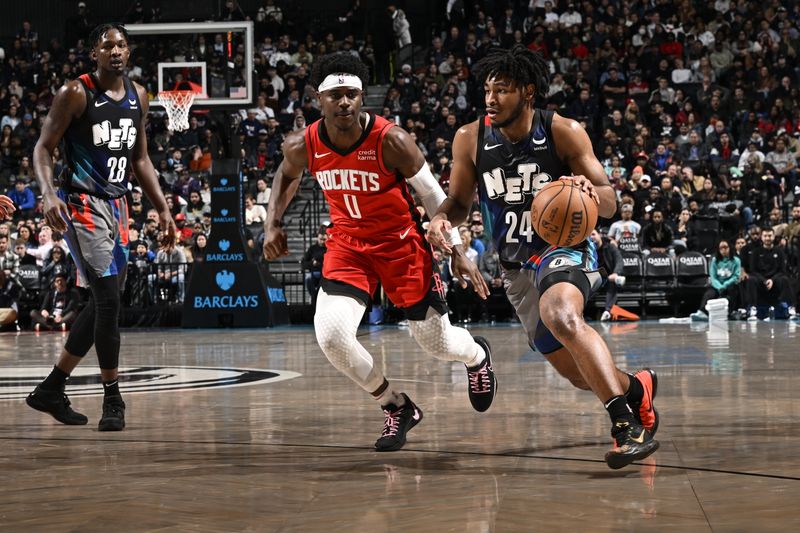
<point>101,118</point>
<point>509,154</point>
<point>363,165</point>
<point>6,207</point>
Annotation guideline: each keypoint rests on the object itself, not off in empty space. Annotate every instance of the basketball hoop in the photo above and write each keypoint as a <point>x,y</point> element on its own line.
<point>177,104</point>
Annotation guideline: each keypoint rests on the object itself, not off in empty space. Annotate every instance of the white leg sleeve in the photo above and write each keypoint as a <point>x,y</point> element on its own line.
<point>336,322</point>
<point>444,341</point>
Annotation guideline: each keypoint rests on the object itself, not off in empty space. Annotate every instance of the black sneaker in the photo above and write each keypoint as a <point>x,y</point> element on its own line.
<point>631,443</point>
<point>113,414</point>
<point>399,420</point>
<point>482,384</point>
<point>55,403</point>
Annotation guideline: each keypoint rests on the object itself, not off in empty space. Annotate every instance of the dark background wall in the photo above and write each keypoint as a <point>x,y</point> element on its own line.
<point>49,16</point>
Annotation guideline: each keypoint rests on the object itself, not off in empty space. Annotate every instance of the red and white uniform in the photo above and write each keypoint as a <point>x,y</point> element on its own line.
<point>376,233</point>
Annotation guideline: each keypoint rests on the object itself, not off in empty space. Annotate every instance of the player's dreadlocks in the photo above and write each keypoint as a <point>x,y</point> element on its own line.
<point>100,30</point>
<point>336,63</point>
<point>520,64</point>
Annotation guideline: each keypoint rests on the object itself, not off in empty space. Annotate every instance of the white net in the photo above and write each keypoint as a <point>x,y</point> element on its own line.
<point>177,104</point>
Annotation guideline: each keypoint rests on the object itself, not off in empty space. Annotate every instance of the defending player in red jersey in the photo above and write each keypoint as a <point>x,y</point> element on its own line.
<point>363,164</point>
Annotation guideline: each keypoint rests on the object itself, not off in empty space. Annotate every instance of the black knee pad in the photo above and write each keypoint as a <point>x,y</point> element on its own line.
<point>574,276</point>
<point>81,334</point>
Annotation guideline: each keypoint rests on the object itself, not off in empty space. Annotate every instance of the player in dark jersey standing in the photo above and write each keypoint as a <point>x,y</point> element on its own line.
<point>363,165</point>
<point>101,119</point>
<point>510,154</point>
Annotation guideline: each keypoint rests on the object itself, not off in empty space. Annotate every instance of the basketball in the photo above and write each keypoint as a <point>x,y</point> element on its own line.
<point>562,214</point>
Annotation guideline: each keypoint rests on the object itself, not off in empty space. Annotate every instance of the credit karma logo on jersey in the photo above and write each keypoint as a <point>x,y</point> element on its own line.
<point>223,217</point>
<point>224,186</point>
<point>514,189</point>
<point>114,138</point>
<point>225,280</point>
<point>367,155</point>
<point>345,179</point>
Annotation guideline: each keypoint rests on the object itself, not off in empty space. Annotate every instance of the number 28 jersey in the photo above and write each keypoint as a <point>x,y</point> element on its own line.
<point>99,145</point>
<point>509,176</point>
<point>367,200</point>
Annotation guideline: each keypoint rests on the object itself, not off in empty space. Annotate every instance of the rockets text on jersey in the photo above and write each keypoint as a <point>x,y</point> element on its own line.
<point>99,144</point>
<point>366,200</point>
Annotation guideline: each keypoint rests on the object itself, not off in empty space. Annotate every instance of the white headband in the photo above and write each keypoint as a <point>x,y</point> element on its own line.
<point>340,80</point>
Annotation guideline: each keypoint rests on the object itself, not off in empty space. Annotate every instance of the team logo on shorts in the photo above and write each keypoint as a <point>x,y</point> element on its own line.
<point>561,262</point>
<point>17,382</point>
<point>438,286</point>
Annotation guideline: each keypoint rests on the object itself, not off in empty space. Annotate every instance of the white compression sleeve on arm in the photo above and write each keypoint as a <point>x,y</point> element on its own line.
<point>432,195</point>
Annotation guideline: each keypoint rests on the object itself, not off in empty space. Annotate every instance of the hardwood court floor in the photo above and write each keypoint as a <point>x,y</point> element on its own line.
<point>235,450</point>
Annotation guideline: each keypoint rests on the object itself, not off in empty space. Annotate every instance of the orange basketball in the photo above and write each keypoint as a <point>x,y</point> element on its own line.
<point>562,214</point>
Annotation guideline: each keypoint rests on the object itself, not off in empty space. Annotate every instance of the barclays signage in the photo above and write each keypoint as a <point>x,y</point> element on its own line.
<point>226,289</point>
<point>224,186</point>
<point>225,281</point>
<point>226,302</point>
<point>222,257</point>
<point>223,217</point>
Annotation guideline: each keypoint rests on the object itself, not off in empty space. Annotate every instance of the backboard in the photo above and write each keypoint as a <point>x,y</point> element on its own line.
<point>214,59</point>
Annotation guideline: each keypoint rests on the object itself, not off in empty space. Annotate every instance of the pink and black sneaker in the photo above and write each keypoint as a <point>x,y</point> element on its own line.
<point>482,384</point>
<point>398,422</point>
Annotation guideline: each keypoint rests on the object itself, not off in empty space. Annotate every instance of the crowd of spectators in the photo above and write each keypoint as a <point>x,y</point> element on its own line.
<point>692,108</point>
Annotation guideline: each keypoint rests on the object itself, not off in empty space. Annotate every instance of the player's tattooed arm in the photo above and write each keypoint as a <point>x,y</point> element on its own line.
<point>284,187</point>
<point>575,149</point>
<point>68,104</point>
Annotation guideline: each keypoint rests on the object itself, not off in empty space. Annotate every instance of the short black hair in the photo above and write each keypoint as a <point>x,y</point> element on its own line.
<point>522,65</point>
<point>101,29</point>
<point>336,63</point>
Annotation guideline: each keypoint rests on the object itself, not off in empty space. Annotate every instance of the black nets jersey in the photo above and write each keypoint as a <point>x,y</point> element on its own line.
<point>99,145</point>
<point>509,176</point>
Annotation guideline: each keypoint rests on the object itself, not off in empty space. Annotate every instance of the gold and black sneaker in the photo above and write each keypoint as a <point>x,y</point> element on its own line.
<point>631,443</point>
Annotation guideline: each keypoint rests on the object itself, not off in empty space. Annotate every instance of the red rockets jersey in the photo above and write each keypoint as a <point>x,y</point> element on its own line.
<point>367,201</point>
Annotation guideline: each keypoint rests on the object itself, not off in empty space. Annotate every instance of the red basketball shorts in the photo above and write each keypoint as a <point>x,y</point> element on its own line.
<point>403,265</point>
